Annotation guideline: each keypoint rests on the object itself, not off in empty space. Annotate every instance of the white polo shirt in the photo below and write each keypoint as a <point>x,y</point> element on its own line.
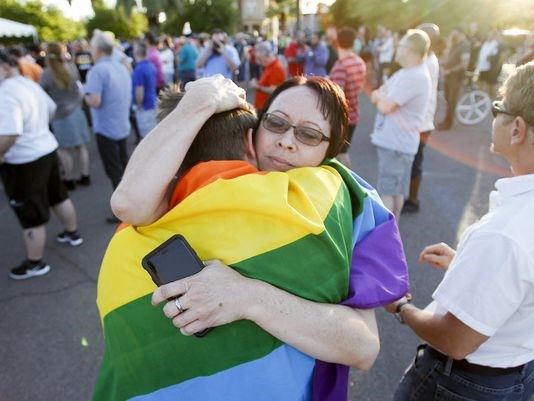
<point>489,285</point>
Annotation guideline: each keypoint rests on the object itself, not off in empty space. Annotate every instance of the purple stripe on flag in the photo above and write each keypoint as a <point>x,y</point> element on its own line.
<point>379,272</point>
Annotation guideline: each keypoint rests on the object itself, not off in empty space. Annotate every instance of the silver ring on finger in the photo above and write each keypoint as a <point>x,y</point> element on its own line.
<point>178,305</point>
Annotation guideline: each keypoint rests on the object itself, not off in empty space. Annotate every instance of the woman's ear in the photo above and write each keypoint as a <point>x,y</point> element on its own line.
<point>519,132</point>
<point>250,152</point>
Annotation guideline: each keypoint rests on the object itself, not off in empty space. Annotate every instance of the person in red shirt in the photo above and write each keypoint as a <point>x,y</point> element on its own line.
<point>272,76</point>
<point>349,73</point>
<point>294,68</point>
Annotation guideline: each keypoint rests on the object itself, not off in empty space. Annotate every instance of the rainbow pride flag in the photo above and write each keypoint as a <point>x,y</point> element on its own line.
<point>379,274</point>
<point>293,230</point>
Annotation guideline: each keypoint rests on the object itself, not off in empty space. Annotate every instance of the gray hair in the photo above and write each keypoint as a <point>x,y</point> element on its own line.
<point>102,41</point>
<point>264,48</point>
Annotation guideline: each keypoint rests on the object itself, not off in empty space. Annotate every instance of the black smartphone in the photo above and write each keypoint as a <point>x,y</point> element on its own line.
<point>171,261</point>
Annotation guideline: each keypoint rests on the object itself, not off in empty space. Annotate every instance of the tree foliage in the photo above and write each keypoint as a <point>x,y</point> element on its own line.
<point>153,8</point>
<point>49,21</point>
<point>404,14</point>
<point>204,15</point>
<point>117,21</point>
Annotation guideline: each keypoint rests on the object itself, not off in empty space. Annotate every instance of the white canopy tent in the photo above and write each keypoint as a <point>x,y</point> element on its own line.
<point>10,28</point>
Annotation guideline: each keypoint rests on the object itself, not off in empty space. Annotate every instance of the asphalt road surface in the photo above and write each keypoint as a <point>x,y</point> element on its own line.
<point>49,326</point>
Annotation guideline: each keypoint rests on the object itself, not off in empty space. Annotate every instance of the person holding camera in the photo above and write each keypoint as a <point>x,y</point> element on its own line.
<point>218,57</point>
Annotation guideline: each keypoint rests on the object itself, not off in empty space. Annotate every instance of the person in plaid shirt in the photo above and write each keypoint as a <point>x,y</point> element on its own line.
<point>349,73</point>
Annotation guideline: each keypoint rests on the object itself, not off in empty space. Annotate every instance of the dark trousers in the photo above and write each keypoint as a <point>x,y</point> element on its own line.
<point>417,165</point>
<point>429,379</point>
<point>114,155</point>
<point>453,84</point>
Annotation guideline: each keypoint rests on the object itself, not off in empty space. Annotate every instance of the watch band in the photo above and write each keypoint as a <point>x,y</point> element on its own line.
<point>398,310</point>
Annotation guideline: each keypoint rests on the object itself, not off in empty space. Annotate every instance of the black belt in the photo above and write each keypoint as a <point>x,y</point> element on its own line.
<point>469,367</point>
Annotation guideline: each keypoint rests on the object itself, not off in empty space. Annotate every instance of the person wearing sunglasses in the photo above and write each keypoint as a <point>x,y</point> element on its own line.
<point>304,122</point>
<point>478,331</point>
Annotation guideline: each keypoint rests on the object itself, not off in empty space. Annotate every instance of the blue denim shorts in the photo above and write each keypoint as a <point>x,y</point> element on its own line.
<point>428,379</point>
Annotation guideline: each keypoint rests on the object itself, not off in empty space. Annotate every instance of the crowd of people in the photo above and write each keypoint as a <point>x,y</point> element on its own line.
<point>283,195</point>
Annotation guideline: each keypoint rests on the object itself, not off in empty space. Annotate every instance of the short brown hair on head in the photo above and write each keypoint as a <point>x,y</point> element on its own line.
<point>518,93</point>
<point>346,37</point>
<point>220,138</point>
<point>331,102</point>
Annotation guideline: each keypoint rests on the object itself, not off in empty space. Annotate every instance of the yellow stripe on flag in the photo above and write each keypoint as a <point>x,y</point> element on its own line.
<point>231,220</point>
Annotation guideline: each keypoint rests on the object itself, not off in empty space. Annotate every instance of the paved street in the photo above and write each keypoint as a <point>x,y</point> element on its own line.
<point>49,326</point>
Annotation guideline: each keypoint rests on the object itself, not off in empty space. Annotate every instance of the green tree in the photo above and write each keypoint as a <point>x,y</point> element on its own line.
<point>153,9</point>
<point>204,15</point>
<point>49,21</point>
<point>117,21</point>
<point>403,14</point>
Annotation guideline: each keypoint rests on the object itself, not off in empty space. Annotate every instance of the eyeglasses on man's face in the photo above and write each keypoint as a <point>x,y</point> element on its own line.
<point>498,108</point>
<point>306,135</point>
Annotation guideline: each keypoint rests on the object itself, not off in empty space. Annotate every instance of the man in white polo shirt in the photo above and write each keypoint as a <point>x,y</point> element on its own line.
<point>29,166</point>
<point>479,331</point>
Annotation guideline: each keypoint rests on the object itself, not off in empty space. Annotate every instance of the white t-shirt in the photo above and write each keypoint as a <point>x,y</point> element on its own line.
<point>432,64</point>
<point>489,285</point>
<point>25,110</point>
<point>410,88</point>
<point>386,51</point>
<point>167,61</point>
<point>488,49</point>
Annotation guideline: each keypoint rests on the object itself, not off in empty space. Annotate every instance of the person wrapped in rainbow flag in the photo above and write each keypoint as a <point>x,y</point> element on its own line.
<point>293,232</point>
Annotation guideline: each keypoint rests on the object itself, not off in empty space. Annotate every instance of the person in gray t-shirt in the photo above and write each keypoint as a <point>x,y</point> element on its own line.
<point>401,103</point>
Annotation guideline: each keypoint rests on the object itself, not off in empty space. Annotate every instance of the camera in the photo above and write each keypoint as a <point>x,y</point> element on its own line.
<point>217,47</point>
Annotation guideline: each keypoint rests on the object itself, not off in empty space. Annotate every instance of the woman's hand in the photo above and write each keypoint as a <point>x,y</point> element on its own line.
<point>215,296</point>
<point>438,255</point>
<point>221,92</point>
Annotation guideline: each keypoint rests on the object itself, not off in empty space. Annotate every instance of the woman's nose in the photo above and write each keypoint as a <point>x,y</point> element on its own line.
<point>287,140</point>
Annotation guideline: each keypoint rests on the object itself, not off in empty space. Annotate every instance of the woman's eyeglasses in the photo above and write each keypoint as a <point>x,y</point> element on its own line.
<point>497,108</point>
<point>306,135</point>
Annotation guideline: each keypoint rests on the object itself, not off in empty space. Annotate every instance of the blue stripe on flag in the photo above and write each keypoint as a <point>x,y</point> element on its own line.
<point>283,375</point>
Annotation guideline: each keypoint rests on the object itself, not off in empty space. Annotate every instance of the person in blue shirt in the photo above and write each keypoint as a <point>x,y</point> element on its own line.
<point>108,92</point>
<point>144,90</point>
<point>314,55</point>
<point>218,57</point>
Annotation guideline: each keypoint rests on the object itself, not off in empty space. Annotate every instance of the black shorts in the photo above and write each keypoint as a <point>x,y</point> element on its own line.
<point>32,188</point>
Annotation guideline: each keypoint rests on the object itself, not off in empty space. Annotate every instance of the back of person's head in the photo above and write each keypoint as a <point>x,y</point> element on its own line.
<point>518,93</point>
<point>8,59</point>
<point>16,51</point>
<point>102,41</point>
<point>431,29</point>
<point>419,41</point>
<point>222,137</point>
<point>332,103</point>
<point>151,38</point>
<point>140,49</point>
<point>346,37</point>
<point>55,60</point>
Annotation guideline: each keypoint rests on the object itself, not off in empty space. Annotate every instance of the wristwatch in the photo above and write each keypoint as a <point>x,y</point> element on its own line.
<point>399,309</point>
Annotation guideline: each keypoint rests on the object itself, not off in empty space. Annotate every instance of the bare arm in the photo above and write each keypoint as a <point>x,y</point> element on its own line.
<point>444,332</point>
<point>139,95</point>
<point>382,103</point>
<point>6,141</point>
<point>140,198</point>
<point>93,100</point>
<point>219,295</point>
